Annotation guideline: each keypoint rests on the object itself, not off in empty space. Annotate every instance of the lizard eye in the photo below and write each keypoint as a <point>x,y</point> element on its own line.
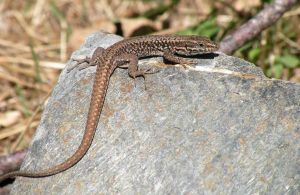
<point>201,44</point>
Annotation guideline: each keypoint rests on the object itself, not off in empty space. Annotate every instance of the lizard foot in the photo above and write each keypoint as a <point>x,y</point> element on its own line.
<point>143,73</point>
<point>87,61</point>
<point>81,64</point>
<point>188,63</point>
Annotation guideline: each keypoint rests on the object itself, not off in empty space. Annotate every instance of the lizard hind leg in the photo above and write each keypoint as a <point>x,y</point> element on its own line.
<point>134,72</point>
<point>87,61</point>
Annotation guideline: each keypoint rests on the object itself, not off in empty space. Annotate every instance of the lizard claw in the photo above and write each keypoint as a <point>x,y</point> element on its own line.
<point>81,63</point>
<point>149,71</point>
<point>142,73</point>
<point>188,63</point>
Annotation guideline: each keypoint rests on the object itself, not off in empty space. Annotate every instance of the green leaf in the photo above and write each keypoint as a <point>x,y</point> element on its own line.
<point>206,28</point>
<point>21,96</point>
<point>55,11</point>
<point>35,59</point>
<point>160,9</point>
<point>275,71</point>
<point>254,53</point>
<point>289,61</point>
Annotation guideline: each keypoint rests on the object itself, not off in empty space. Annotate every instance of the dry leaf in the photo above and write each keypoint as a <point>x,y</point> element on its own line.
<point>9,118</point>
<point>246,5</point>
<point>138,26</point>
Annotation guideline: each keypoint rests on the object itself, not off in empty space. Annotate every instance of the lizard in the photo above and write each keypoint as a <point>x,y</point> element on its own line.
<point>174,48</point>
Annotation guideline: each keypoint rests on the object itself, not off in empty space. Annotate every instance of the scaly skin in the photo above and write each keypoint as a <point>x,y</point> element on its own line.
<point>125,51</point>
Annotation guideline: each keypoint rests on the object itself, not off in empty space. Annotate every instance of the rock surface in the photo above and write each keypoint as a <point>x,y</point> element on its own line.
<point>221,127</point>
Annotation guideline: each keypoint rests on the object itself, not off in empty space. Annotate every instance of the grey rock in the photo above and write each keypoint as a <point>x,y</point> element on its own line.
<point>220,127</point>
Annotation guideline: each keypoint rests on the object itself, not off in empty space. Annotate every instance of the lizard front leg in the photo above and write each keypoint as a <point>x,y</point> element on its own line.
<point>168,55</point>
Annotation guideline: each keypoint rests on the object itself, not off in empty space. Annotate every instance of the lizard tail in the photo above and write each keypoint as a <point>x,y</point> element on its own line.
<point>97,100</point>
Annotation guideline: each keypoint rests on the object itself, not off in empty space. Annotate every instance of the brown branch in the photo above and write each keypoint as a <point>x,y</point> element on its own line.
<point>4,191</point>
<point>265,18</point>
<point>11,162</point>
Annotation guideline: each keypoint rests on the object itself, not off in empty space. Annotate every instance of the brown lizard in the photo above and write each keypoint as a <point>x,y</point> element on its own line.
<point>127,51</point>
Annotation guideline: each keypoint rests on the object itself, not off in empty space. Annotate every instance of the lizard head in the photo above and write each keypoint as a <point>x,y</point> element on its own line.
<point>195,45</point>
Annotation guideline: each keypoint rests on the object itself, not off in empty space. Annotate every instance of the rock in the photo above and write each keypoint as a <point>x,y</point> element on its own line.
<point>220,127</point>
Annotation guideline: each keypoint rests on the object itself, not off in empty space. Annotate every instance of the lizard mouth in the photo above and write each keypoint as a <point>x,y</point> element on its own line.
<point>211,47</point>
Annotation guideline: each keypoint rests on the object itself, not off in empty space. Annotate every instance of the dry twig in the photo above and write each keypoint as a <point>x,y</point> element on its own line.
<point>253,27</point>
